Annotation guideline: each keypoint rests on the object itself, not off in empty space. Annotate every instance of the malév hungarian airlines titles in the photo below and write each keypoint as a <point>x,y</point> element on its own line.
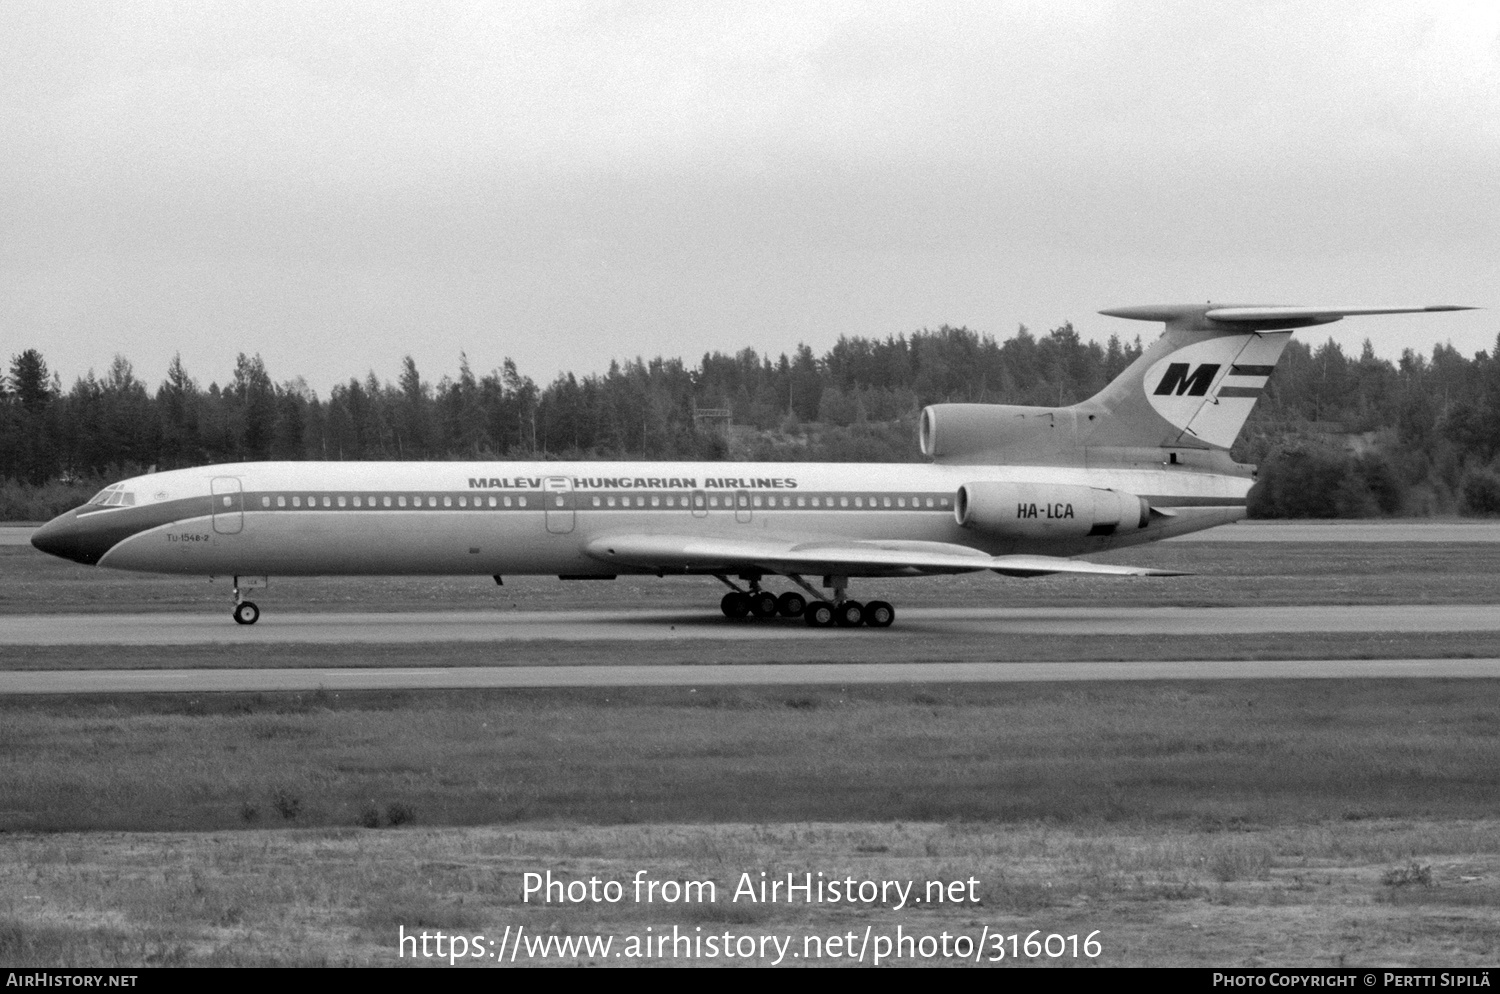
<point>1016,490</point>
<point>637,483</point>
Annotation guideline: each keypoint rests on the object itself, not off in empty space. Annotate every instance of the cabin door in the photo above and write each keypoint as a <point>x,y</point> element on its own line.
<point>557,498</point>
<point>228,505</point>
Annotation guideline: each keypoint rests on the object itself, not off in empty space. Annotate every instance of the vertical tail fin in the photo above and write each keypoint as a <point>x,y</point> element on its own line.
<point>1196,385</point>
<point>1192,388</point>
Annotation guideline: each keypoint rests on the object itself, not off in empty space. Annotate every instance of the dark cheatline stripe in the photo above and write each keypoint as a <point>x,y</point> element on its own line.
<point>1251,370</point>
<point>100,529</point>
<point>1240,391</point>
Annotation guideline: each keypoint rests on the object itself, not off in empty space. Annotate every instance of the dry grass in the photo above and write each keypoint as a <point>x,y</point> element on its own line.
<point>1292,895</point>
<point>1220,755</point>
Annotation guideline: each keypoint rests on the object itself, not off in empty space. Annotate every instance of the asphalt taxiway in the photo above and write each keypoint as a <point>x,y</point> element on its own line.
<point>692,676</point>
<point>418,627</point>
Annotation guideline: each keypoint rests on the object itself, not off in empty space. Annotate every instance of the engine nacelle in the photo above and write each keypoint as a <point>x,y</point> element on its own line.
<point>1047,510</point>
<point>997,433</point>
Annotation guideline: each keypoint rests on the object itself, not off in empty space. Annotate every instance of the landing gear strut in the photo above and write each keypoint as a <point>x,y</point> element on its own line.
<point>245,612</point>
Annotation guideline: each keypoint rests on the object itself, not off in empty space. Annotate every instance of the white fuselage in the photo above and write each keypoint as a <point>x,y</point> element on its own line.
<point>500,518</point>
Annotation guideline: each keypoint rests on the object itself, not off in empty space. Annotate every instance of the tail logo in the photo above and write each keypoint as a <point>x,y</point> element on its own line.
<point>1208,387</point>
<point>1177,380</point>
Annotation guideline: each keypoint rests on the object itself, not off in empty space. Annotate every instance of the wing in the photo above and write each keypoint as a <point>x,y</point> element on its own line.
<point>842,557</point>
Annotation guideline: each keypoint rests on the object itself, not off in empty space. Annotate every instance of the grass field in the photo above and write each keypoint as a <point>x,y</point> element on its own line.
<point>1190,754</point>
<point>1346,893</point>
<point>1237,822</point>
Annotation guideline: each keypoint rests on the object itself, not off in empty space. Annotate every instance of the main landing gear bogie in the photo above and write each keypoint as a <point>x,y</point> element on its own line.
<point>817,613</point>
<point>850,614</point>
<point>761,604</point>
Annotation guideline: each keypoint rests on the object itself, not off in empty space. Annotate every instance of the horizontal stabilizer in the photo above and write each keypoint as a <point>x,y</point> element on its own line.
<point>1252,317</point>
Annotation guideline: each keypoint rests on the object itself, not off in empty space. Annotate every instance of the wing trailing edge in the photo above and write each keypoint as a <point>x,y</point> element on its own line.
<point>678,553</point>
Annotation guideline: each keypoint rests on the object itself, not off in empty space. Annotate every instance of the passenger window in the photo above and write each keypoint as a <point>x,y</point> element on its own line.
<point>327,502</point>
<point>900,501</point>
<point>859,502</point>
<point>595,502</point>
<point>521,501</point>
<point>280,501</point>
<point>507,502</point>
<point>640,502</point>
<point>357,502</point>
<point>447,502</point>
<point>341,501</point>
<point>945,502</point>
<point>843,502</point>
<point>265,502</point>
<point>385,501</point>
<point>296,501</point>
<point>401,500</point>
<point>463,502</point>
<point>698,500</point>
<point>611,500</point>
<point>655,501</point>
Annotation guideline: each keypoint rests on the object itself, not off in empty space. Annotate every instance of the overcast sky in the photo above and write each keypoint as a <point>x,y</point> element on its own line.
<point>337,185</point>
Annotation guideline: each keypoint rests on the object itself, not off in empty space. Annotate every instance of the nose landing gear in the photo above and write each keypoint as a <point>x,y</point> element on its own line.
<point>245,612</point>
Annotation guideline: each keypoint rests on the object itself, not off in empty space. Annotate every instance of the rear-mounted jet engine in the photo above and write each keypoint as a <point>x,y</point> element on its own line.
<point>1042,510</point>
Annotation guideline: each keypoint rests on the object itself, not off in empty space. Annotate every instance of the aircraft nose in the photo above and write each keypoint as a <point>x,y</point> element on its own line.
<point>59,537</point>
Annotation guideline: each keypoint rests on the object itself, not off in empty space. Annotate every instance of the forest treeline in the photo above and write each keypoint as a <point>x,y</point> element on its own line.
<point>1335,435</point>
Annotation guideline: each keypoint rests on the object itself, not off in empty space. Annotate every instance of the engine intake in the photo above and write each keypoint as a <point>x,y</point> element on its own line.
<point>1047,510</point>
<point>996,433</point>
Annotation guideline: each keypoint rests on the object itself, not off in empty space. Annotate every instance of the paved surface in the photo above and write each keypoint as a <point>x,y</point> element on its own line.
<point>16,534</point>
<point>253,680</point>
<point>416,627</point>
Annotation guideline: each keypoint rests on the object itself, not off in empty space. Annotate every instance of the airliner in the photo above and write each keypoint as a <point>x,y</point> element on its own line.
<point>1019,491</point>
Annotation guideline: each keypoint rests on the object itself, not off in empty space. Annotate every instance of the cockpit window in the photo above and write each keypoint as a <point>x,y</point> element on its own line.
<point>114,495</point>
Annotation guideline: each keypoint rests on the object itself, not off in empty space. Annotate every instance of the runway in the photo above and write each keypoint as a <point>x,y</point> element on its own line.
<point>418,627</point>
<point>692,676</point>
